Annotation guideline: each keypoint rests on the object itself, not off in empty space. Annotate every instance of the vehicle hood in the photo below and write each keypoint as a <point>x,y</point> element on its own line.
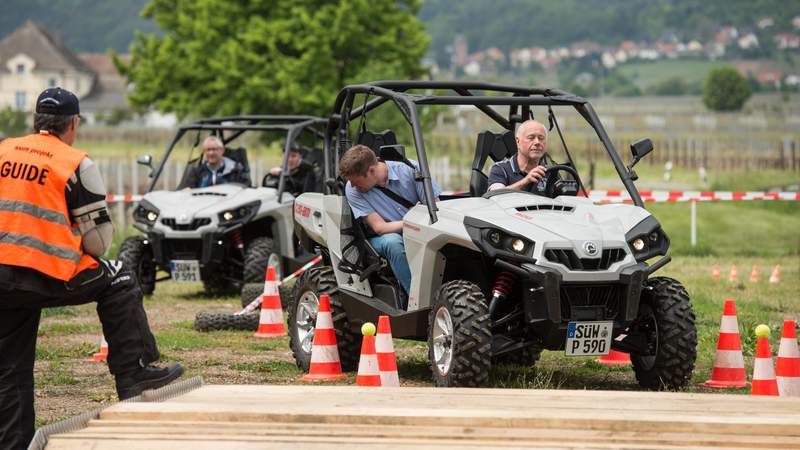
<point>206,201</point>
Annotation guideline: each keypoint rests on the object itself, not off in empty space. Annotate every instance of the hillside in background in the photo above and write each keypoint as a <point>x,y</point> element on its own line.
<point>96,25</point>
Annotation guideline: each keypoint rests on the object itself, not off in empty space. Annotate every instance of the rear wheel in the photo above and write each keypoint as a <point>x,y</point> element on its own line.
<point>302,317</point>
<point>459,336</point>
<point>136,253</point>
<point>666,320</point>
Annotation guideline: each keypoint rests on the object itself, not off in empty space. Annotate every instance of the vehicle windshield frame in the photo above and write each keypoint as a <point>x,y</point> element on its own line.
<point>518,98</point>
<point>293,125</point>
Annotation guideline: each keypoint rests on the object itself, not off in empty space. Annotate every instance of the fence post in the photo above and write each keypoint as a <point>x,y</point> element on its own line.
<point>120,206</point>
<point>694,224</point>
<point>134,177</point>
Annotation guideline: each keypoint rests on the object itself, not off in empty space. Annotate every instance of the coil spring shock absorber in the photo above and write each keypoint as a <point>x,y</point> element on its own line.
<point>503,285</point>
<point>236,238</point>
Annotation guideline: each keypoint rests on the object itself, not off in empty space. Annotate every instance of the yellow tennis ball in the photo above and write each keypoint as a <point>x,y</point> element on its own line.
<point>368,329</point>
<point>762,331</point>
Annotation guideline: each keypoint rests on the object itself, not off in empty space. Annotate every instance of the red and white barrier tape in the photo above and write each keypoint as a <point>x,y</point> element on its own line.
<point>618,196</point>
<point>257,302</point>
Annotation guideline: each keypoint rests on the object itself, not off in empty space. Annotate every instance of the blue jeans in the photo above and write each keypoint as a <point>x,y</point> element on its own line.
<point>390,246</point>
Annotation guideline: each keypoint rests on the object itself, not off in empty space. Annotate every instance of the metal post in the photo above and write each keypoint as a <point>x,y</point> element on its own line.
<point>694,224</point>
<point>121,225</point>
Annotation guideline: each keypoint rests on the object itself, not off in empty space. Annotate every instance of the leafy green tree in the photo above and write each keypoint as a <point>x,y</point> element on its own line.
<point>12,122</point>
<point>270,56</point>
<point>725,89</point>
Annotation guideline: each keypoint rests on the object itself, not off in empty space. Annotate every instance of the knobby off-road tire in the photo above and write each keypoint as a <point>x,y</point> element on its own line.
<point>138,256</point>
<point>526,357</point>
<point>666,316</point>
<point>251,291</point>
<point>315,282</point>
<point>469,340</point>
<point>256,255</point>
<point>226,321</point>
<point>215,284</point>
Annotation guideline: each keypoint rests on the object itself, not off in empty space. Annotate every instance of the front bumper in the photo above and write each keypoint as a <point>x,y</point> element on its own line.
<point>549,304</point>
<point>211,249</point>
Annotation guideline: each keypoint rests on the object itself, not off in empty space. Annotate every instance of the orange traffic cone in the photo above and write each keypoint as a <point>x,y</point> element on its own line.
<point>615,358</point>
<point>754,277</point>
<point>734,275</point>
<point>764,382</point>
<point>102,355</point>
<point>776,275</point>
<point>270,322</point>
<point>325,365</point>
<point>728,371</point>
<point>368,374</point>
<point>788,368</point>
<point>387,363</point>
<point>715,272</point>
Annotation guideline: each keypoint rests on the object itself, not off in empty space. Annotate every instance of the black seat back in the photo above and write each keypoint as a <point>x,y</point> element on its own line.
<point>238,154</point>
<point>490,145</point>
<point>376,140</point>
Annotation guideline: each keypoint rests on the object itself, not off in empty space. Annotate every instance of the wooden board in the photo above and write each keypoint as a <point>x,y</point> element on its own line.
<point>312,417</point>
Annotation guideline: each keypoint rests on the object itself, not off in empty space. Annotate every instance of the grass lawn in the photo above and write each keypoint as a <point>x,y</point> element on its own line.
<point>646,74</point>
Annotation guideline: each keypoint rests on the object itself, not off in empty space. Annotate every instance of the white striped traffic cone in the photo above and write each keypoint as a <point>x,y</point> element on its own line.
<point>368,374</point>
<point>728,371</point>
<point>754,277</point>
<point>764,382</point>
<point>102,355</point>
<point>734,275</point>
<point>325,364</point>
<point>387,363</point>
<point>270,321</point>
<point>775,277</point>
<point>787,371</point>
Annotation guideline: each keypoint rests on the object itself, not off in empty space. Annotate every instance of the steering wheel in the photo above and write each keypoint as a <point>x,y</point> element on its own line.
<point>551,175</point>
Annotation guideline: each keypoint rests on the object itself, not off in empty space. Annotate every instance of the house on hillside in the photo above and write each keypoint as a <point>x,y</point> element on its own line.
<point>32,60</point>
<point>787,40</point>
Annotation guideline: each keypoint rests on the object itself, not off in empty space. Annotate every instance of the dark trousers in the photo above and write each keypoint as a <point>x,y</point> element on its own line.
<point>23,294</point>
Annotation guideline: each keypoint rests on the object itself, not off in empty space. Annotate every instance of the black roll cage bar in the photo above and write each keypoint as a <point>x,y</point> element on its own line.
<point>293,125</point>
<point>397,91</point>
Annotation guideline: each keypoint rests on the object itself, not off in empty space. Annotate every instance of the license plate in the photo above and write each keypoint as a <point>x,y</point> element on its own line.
<point>185,271</point>
<point>588,338</point>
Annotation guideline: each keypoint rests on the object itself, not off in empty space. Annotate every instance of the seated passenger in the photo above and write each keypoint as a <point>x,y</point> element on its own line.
<point>368,181</point>
<point>521,171</point>
<point>302,175</point>
<point>216,168</point>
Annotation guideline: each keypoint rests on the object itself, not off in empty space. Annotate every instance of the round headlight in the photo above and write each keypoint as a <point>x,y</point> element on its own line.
<point>227,215</point>
<point>638,244</point>
<point>494,237</point>
<point>152,216</point>
<point>518,245</point>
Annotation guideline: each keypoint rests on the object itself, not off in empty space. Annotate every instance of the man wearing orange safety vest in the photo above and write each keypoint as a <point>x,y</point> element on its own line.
<point>54,226</point>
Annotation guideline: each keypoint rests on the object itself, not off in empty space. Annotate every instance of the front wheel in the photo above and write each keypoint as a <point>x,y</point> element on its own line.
<point>302,318</point>
<point>459,336</point>
<point>666,320</point>
<point>136,253</point>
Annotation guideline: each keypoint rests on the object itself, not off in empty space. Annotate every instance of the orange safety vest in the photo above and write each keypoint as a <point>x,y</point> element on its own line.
<point>35,227</point>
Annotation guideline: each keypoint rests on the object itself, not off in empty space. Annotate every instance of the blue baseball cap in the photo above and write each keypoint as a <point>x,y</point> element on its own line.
<point>58,102</point>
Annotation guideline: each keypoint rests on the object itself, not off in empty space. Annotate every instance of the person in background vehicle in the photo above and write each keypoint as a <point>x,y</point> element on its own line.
<point>54,226</point>
<point>216,168</point>
<point>302,175</point>
<point>522,171</point>
<point>382,192</point>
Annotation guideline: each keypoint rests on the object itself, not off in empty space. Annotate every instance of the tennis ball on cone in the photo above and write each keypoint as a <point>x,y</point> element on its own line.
<point>762,331</point>
<point>368,329</point>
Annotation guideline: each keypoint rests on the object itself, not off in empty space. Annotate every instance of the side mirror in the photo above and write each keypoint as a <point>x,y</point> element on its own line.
<point>639,149</point>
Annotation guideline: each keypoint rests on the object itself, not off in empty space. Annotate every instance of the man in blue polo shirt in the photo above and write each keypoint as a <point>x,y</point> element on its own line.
<point>371,184</point>
<point>522,171</point>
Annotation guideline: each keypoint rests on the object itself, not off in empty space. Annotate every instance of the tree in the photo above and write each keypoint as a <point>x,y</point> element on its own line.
<point>12,122</point>
<point>725,89</point>
<point>270,56</point>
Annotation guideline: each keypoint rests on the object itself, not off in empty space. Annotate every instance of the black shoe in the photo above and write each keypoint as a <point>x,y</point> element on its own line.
<point>130,384</point>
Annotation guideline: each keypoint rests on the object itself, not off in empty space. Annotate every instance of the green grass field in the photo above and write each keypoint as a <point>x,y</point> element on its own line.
<point>646,74</point>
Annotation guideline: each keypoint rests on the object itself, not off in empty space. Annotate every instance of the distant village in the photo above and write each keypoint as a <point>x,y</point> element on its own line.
<point>728,42</point>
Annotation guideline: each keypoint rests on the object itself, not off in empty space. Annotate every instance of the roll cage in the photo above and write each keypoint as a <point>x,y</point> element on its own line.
<point>228,128</point>
<point>519,100</point>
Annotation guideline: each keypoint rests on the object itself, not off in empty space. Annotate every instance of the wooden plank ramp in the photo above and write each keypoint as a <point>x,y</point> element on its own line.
<point>322,417</point>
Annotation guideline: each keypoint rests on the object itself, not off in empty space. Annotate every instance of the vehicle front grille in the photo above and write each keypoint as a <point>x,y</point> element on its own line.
<point>595,302</point>
<point>545,207</point>
<point>570,260</point>
<point>183,248</point>
<point>193,225</point>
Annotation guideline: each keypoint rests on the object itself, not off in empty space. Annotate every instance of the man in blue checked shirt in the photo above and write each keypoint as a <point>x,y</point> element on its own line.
<point>382,192</point>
